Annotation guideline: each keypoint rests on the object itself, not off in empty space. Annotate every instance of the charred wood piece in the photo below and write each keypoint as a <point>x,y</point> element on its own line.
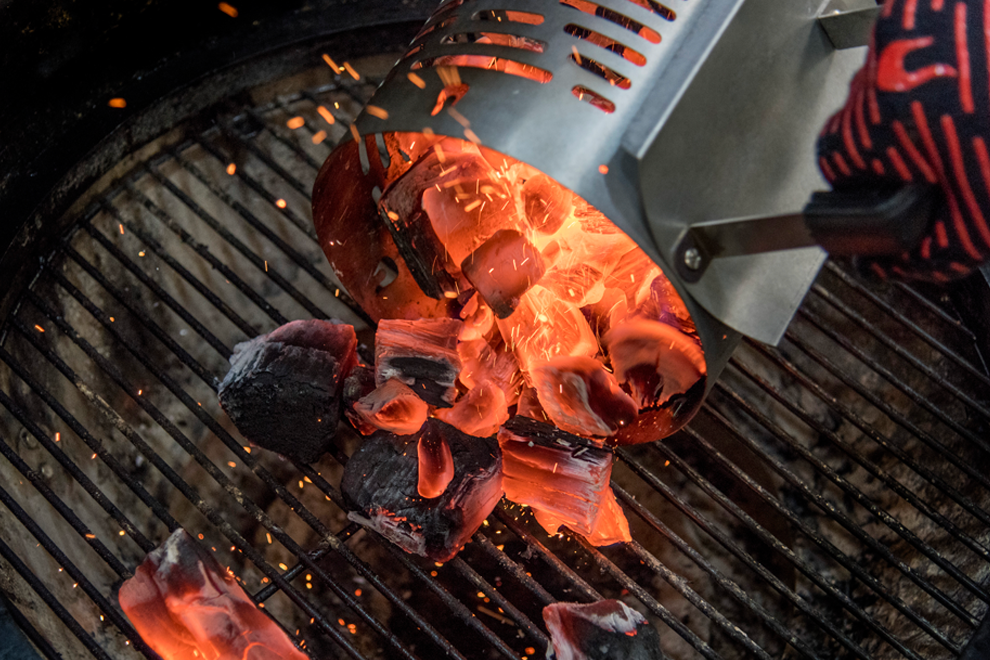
<point>381,479</point>
<point>422,354</point>
<point>600,631</point>
<point>283,389</point>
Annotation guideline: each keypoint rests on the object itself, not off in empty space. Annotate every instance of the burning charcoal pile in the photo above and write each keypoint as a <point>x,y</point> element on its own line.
<point>508,306</point>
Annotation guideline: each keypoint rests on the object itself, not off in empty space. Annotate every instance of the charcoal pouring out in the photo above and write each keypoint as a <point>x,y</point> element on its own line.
<point>381,480</point>
<point>185,606</point>
<point>606,630</point>
<point>283,390</point>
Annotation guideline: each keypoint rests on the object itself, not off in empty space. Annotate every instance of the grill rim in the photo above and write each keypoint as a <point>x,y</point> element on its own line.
<point>604,564</point>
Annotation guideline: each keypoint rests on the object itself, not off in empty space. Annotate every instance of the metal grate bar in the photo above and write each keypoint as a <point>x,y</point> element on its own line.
<point>287,176</point>
<point>95,445</point>
<point>653,604</point>
<point>934,309</point>
<point>26,627</point>
<point>514,569</point>
<point>732,546</point>
<point>682,587</point>
<point>219,477</point>
<point>902,455</point>
<point>256,260</point>
<point>187,360</point>
<point>915,396</point>
<point>897,417</point>
<point>309,160</point>
<point>91,489</point>
<point>454,604</point>
<point>896,313</point>
<point>808,571</point>
<point>578,583</point>
<point>897,348</point>
<point>166,297</point>
<point>71,569</point>
<point>850,525</point>
<point>728,585</point>
<point>52,602</point>
<point>365,571</point>
<point>207,254</point>
<point>257,225</point>
<point>848,488</point>
<point>317,554</point>
<point>302,224</point>
<point>523,621</point>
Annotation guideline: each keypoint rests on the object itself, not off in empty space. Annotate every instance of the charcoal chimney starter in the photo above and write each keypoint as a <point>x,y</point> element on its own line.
<point>656,115</point>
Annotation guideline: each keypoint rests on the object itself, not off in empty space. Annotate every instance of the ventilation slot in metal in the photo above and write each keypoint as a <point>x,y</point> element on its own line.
<point>497,39</point>
<point>663,11</point>
<point>602,41</point>
<point>594,98</point>
<point>501,64</point>
<point>613,77</point>
<point>592,9</point>
<point>500,15</point>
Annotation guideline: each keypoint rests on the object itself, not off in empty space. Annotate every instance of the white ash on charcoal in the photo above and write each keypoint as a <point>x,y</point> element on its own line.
<point>359,384</point>
<point>480,411</point>
<point>564,478</point>
<point>392,407</point>
<point>380,484</point>
<point>184,605</point>
<point>545,203</point>
<point>502,269</point>
<point>283,390</point>
<point>580,396</point>
<point>422,354</point>
<point>604,630</point>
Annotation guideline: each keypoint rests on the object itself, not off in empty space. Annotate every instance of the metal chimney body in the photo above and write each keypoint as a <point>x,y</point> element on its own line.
<point>715,117</point>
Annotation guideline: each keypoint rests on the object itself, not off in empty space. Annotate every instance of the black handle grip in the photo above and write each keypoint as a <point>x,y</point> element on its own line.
<point>871,222</point>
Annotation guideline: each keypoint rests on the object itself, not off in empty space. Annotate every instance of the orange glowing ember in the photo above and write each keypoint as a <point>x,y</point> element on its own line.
<point>185,606</point>
<point>117,103</point>
<point>230,10</point>
<point>586,319</point>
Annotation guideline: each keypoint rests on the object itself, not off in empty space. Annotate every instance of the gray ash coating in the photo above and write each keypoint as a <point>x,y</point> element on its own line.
<point>380,483</point>
<point>600,631</point>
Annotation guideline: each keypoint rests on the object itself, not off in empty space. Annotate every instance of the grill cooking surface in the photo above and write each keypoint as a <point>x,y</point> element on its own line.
<point>829,501</point>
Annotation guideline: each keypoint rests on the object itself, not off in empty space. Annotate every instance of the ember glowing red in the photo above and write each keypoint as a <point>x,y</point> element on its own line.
<point>186,607</point>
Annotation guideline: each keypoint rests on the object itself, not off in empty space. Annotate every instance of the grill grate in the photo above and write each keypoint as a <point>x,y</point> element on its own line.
<point>829,501</point>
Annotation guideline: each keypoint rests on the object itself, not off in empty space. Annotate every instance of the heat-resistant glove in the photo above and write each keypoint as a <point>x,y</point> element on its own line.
<point>919,111</point>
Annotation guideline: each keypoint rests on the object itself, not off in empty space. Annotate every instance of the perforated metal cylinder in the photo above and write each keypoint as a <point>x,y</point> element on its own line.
<point>581,91</point>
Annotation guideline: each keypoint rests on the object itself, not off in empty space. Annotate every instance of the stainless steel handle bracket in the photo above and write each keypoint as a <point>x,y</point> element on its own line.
<point>849,23</point>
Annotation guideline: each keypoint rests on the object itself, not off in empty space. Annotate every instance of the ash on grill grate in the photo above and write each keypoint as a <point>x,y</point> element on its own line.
<point>829,501</point>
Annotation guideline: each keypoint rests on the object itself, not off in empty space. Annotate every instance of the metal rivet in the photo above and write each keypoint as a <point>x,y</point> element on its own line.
<point>692,258</point>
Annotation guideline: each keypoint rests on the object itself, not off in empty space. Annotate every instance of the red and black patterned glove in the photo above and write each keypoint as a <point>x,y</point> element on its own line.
<point>919,111</point>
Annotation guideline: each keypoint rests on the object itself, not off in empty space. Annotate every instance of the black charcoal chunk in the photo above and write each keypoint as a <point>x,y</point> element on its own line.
<point>422,354</point>
<point>604,630</point>
<point>380,484</point>
<point>286,397</point>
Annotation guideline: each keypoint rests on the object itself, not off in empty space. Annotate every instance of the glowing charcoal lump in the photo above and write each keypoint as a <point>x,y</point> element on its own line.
<point>392,407</point>
<point>283,388</point>
<point>380,485</point>
<point>563,477</point>
<point>604,630</point>
<point>185,606</point>
<point>422,354</point>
